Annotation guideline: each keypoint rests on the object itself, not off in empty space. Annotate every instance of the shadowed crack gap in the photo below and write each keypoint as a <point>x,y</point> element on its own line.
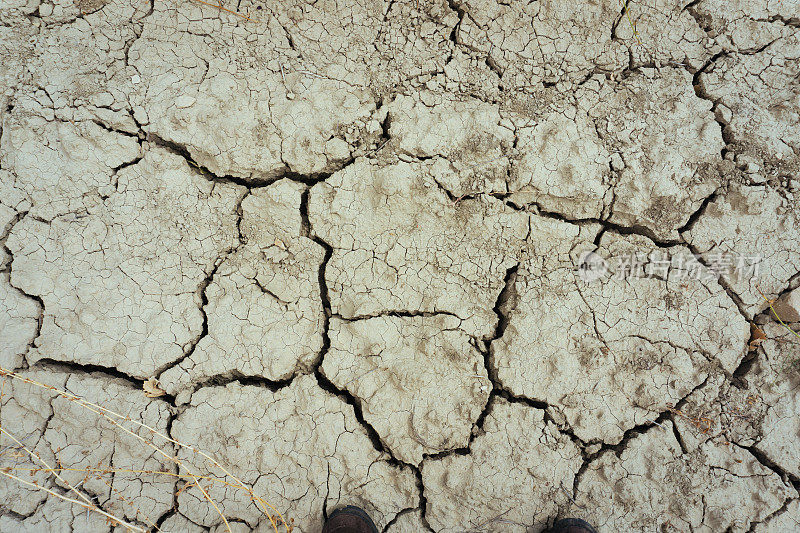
<point>735,298</point>
<point>19,516</point>
<point>328,386</point>
<point>159,522</point>
<point>791,21</point>
<point>461,12</point>
<point>71,367</point>
<point>615,25</point>
<point>506,302</point>
<point>617,449</point>
<point>250,183</point>
<point>701,93</point>
<point>738,377</point>
<point>635,229</point>
<point>783,508</point>
<point>391,522</point>
<point>769,464</point>
<point>629,435</point>
<point>325,384</point>
<point>395,313</point>
<point>307,231</point>
<point>677,435</point>
<point>345,395</point>
<point>234,376</point>
<point>692,220</point>
<point>7,271</point>
<point>792,284</point>
<point>201,290</point>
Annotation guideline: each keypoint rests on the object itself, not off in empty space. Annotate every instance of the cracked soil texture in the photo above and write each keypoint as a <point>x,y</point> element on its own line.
<point>345,241</point>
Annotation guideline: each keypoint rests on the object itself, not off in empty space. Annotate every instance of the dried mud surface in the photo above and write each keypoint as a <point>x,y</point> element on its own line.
<point>345,238</point>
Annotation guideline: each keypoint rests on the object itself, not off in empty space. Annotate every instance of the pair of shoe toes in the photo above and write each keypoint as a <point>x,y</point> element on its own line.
<point>353,519</point>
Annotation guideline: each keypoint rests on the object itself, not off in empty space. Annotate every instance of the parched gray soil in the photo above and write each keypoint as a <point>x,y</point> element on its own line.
<point>472,265</point>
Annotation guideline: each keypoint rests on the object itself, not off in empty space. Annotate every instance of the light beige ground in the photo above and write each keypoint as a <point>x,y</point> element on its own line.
<point>344,236</point>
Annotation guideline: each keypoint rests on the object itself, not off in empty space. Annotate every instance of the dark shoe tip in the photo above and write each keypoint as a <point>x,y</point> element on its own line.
<point>572,525</point>
<point>349,519</point>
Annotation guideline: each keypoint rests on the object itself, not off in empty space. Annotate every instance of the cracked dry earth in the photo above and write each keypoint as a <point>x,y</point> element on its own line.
<point>343,237</point>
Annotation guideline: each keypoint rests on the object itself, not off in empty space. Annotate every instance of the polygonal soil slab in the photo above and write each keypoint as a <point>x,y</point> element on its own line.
<point>200,69</point>
<point>743,27</point>
<point>653,483</point>
<point>759,412</point>
<point>303,81</point>
<point>400,244</point>
<point>61,166</point>
<point>19,314</point>
<point>468,133</point>
<point>668,141</point>
<point>517,475</point>
<point>19,317</point>
<point>757,95</point>
<point>300,448</point>
<point>536,42</point>
<point>594,351</point>
<point>785,519</point>
<point>118,277</point>
<point>735,228</point>
<point>665,32</point>
<point>562,166</point>
<point>421,384</point>
<point>57,428</point>
<point>264,310</point>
